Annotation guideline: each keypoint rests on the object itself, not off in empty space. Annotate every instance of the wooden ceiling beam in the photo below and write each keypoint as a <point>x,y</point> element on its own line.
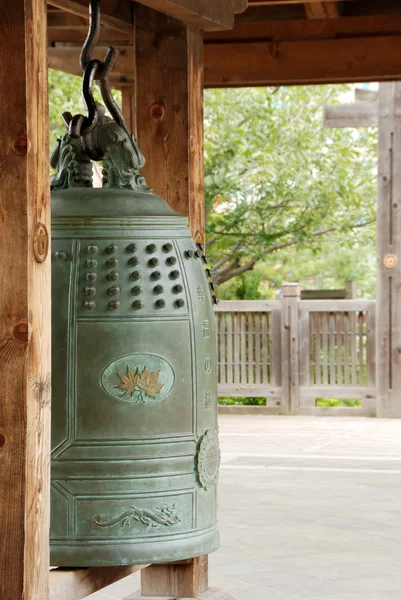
<point>277,2</point>
<point>66,58</point>
<point>303,29</point>
<point>77,35</point>
<point>302,62</point>
<point>322,10</point>
<point>218,14</point>
<point>116,14</point>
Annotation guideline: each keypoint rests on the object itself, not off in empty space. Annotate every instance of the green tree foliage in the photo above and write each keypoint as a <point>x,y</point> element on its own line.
<point>279,185</point>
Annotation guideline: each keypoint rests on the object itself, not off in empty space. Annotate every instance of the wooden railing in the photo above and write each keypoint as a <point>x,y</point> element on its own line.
<point>294,351</point>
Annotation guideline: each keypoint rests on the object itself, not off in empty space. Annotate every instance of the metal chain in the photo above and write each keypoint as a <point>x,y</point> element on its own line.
<point>94,69</point>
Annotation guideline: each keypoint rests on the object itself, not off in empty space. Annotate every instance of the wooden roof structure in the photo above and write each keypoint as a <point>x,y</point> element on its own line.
<point>268,42</point>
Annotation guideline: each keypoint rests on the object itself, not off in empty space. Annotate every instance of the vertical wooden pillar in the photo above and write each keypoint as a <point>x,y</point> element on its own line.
<point>388,307</point>
<point>185,579</point>
<point>290,346</point>
<point>169,88</point>
<point>129,108</point>
<point>169,80</point>
<point>24,302</point>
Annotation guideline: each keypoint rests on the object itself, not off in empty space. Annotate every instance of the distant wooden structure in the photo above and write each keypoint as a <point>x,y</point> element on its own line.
<point>347,293</point>
<point>383,109</point>
<point>167,50</point>
<point>292,351</point>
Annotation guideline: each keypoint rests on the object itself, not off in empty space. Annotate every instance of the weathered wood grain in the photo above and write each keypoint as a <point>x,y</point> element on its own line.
<point>128,94</point>
<point>24,303</point>
<point>75,584</point>
<point>169,70</point>
<point>178,580</point>
<point>356,114</point>
<point>302,62</point>
<point>116,14</point>
<point>389,244</point>
<point>290,346</point>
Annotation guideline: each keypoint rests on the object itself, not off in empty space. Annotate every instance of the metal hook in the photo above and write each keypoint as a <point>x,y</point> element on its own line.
<point>94,69</point>
<point>80,125</point>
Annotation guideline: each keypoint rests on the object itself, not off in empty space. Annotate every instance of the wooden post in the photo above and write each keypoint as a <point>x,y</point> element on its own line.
<point>290,346</point>
<point>350,289</point>
<point>24,302</point>
<point>169,83</point>
<point>129,108</point>
<point>389,252</point>
<point>185,579</point>
<point>169,79</point>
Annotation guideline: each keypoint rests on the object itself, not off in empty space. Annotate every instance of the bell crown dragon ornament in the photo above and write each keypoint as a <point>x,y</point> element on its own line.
<point>135,454</point>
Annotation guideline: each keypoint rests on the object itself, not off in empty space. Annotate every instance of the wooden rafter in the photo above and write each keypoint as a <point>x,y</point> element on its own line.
<point>283,2</point>
<point>66,58</point>
<point>305,29</point>
<point>115,13</point>
<point>322,10</point>
<point>218,14</point>
<point>301,62</point>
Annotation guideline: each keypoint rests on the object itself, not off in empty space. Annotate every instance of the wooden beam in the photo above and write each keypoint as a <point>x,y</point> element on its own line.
<point>169,79</point>
<point>24,302</point>
<point>188,579</point>
<point>77,35</point>
<point>129,108</point>
<point>284,2</point>
<point>355,114</point>
<point>218,14</point>
<point>75,584</point>
<point>66,58</point>
<point>116,14</point>
<point>364,95</point>
<point>305,29</point>
<point>302,62</point>
<point>388,303</point>
<point>322,10</point>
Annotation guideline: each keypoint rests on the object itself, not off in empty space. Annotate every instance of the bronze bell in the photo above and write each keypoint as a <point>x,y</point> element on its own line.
<point>135,452</point>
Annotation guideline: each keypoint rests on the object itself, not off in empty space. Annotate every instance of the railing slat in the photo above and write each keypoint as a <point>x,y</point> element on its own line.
<point>222,340</point>
<point>236,348</point>
<point>353,327</point>
<point>243,350</point>
<point>250,348</point>
<point>361,347</point>
<point>265,356</point>
<point>257,347</point>
<point>339,343</point>
<point>229,348</point>
<point>318,347</point>
<point>325,347</point>
<point>332,334</point>
<point>347,348</point>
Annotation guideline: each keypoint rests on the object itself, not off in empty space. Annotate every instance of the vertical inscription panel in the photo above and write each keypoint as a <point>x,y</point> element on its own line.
<point>203,327</point>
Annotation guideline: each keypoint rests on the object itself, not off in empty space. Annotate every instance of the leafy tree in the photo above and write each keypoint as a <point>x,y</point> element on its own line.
<point>276,179</point>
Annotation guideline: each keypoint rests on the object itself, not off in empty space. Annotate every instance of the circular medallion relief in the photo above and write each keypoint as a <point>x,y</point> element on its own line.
<point>138,378</point>
<point>390,261</point>
<point>209,459</point>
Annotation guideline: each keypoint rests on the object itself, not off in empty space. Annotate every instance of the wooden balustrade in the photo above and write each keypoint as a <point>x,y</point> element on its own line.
<point>293,351</point>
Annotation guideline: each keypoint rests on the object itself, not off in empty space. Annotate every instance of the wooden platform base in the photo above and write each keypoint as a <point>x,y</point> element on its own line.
<point>210,594</point>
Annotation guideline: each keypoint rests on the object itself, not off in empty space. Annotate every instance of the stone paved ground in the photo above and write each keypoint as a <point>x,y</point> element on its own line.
<point>310,508</point>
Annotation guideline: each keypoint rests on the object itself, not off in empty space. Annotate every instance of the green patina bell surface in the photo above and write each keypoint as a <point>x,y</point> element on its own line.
<point>135,453</point>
